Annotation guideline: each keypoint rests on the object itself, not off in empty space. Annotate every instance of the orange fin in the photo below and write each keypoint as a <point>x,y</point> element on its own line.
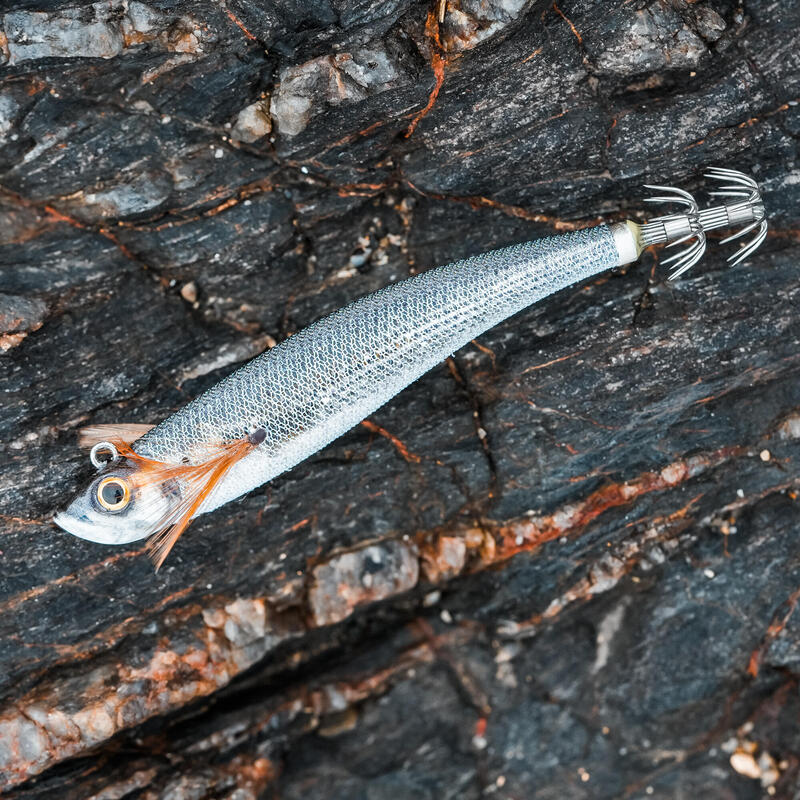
<point>196,482</point>
<point>127,432</point>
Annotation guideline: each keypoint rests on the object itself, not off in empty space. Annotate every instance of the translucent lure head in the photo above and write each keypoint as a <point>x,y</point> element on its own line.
<point>116,506</point>
<point>743,208</point>
<point>134,497</point>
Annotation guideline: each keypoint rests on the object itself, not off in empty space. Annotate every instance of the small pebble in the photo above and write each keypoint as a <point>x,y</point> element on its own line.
<point>432,598</point>
<point>189,292</point>
<point>764,455</point>
<point>745,764</point>
<point>479,742</point>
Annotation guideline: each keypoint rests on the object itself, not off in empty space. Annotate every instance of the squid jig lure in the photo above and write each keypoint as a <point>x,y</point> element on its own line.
<point>292,400</point>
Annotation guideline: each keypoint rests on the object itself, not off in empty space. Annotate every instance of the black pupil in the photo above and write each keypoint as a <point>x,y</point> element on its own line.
<point>113,493</point>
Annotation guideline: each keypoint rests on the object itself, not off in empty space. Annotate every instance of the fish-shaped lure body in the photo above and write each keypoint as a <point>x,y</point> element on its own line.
<point>292,400</point>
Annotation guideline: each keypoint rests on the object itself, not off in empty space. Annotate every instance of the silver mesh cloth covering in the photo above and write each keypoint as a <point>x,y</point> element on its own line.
<point>317,384</point>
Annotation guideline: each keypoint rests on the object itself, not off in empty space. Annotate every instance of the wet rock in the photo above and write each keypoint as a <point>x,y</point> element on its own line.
<point>101,30</point>
<point>650,39</point>
<point>334,80</point>
<point>445,557</point>
<point>253,122</point>
<point>467,23</point>
<point>560,564</point>
<point>8,108</point>
<point>19,316</point>
<point>364,576</point>
<point>710,24</point>
<point>134,195</point>
<point>89,32</point>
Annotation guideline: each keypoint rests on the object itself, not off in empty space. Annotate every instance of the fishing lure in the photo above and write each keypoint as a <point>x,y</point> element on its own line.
<point>292,400</point>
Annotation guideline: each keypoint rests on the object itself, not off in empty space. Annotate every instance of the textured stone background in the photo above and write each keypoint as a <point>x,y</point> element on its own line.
<point>583,530</point>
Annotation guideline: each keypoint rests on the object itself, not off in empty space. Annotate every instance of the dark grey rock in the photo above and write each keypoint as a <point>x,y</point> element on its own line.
<point>563,564</point>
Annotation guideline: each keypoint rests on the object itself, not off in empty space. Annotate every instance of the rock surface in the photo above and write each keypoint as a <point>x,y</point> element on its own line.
<point>563,564</point>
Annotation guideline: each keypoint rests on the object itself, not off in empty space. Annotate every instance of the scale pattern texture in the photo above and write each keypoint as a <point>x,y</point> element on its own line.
<point>319,383</point>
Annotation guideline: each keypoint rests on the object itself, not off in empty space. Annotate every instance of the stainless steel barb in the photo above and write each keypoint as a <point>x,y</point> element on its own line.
<point>743,207</point>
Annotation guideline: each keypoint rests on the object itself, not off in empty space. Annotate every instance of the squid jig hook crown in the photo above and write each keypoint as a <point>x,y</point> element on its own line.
<point>742,207</point>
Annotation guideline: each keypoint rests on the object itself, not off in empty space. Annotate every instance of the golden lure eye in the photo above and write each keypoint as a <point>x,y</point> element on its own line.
<point>113,493</point>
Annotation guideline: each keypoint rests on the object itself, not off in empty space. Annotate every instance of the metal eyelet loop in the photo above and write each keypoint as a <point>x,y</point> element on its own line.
<point>98,450</point>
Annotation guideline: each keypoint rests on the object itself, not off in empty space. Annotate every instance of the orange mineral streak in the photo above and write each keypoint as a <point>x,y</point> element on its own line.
<point>526,534</point>
<point>437,65</point>
<point>569,22</point>
<point>776,627</point>
<point>239,24</point>
<point>198,481</point>
<point>399,445</point>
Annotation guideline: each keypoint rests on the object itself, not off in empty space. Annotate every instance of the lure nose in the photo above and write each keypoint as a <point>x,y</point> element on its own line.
<point>743,206</point>
<point>84,527</point>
